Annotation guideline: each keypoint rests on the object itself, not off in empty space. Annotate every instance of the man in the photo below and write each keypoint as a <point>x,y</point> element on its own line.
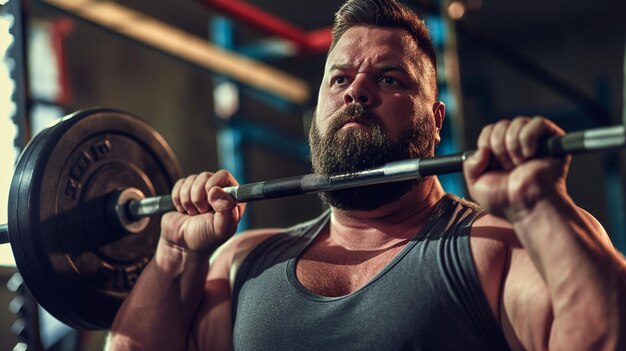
<point>395,266</point>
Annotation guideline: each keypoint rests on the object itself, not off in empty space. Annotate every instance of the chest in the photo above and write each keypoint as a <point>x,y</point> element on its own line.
<point>417,300</point>
<point>340,272</point>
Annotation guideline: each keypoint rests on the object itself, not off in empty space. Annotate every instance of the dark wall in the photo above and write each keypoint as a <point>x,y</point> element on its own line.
<point>564,50</point>
<point>176,99</point>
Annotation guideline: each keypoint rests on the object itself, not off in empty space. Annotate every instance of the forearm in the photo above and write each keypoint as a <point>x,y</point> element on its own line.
<point>585,276</point>
<point>159,311</point>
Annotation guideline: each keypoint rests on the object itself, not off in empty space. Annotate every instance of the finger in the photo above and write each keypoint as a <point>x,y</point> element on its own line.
<point>512,139</point>
<point>220,179</point>
<point>225,179</point>
<point>220,200</point>
<point>226,221</point>
<point>185,195</point>
<point>176,195</point>
<point>483,138</point>
<point>476,164</point>
<point>498,146</point>
<point>198,193</point>
<point>536,130</point>
<point>227,213</point>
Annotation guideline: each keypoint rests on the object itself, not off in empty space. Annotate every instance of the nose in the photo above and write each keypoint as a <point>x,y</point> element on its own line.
<point>359,92</point>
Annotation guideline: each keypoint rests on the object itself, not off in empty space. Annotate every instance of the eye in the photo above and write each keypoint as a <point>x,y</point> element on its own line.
<point>338,80</point>
<point>387,80</point>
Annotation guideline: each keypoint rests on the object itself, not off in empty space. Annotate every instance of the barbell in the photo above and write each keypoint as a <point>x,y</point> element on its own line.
<point>84,205</point>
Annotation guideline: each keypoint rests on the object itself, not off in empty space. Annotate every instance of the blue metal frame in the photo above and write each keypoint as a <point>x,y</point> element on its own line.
<point>236,131</point>
<point>453,183</point>
<point>230,154</point>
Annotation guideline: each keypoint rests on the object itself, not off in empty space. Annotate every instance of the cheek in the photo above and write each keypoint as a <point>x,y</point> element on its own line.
<point>327,106</point>
<point>407,106</point>
<point>401,115</point>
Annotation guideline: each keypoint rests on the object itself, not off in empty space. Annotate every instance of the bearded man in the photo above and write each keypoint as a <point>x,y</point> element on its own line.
<point>393,266</point>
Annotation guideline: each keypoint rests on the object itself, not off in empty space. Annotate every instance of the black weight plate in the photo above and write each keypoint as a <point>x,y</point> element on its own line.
<point>73,257</point>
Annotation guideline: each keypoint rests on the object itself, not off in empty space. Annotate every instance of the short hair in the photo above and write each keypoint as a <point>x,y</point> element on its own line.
<point>384,13</point>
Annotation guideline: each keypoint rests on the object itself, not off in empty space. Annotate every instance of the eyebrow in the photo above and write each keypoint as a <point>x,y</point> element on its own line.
<point>388,68</point>
<point>382,68</point>
<point>341,67</point>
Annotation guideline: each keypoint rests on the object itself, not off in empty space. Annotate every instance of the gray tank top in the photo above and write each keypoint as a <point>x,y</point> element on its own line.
<point>427,298</point>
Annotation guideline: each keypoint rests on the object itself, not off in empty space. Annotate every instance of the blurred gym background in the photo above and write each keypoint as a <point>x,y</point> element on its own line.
<point>232,83</point>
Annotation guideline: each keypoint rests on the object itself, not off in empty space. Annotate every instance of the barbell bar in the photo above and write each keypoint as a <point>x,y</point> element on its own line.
<point>573,143</point>
<point>598,139</point>
<point>83,202</point>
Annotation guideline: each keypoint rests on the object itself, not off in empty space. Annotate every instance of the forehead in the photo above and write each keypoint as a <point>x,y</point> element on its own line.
<point>375,45</point>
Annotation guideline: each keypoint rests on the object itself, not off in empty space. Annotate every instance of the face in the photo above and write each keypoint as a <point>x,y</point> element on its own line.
<point>376,105</point>
<point>380,69</point>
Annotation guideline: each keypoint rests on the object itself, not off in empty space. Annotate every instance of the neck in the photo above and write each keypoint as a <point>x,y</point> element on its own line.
<point>388,225</point>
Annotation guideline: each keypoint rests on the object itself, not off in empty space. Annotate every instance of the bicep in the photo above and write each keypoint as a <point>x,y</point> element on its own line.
<point>526,311</point>
<point>212,328</point>
<point>517,293</point>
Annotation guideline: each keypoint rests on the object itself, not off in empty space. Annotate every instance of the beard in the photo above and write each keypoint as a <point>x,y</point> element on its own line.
<point>353,150</point>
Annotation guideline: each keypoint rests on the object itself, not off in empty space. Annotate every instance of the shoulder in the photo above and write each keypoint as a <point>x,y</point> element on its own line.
<point>493,236</point>
<point>492,240</point>
<point>226,261</point>
<point>228,257</point>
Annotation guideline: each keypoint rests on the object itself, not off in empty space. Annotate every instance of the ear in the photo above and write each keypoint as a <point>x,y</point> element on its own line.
<point>439,112</point>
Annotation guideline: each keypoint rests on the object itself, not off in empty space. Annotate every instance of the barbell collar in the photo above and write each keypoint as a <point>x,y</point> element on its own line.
<point>118,207</point>
<point>150,206</point>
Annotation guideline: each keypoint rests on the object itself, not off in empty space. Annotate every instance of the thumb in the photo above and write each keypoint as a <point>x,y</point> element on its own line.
<point>227,213</point>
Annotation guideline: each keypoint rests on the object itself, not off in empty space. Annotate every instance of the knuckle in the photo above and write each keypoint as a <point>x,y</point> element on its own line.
<point>486,131</point>
<point>496,141</point>
<point>222,173</point>
<point>184,199</point>
<point>520,121</point>
<point>197,184</point>
<point>196,196</point>
<point>527,134</point>
<point>539,118</point>
<point>179,183</point>
<point>541,123</point>
<point>188,182</point>
<point>176,188</point>
<point>503,123</point>
<point>512,144</point>
<point>204,176</point>
<point>187,207</point>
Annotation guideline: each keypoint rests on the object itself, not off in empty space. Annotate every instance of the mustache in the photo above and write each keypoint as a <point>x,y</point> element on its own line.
<point>356,112</point>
